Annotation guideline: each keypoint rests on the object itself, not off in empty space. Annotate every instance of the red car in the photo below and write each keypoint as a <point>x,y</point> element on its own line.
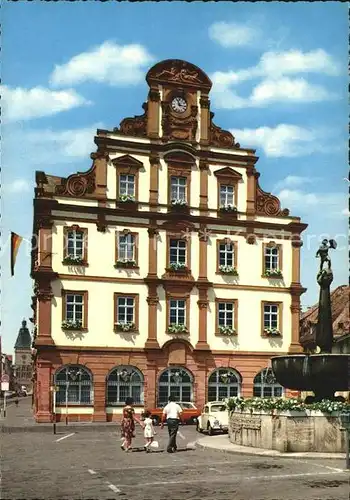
<point>189,413</point>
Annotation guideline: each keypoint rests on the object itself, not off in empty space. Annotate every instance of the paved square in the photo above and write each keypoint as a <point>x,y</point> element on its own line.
<point>91,465</point>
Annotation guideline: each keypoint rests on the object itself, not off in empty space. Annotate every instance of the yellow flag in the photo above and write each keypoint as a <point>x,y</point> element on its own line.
<point>16,240</point>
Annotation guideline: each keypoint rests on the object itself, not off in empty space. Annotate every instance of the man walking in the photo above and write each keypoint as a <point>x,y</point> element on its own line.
<point>172,413</point>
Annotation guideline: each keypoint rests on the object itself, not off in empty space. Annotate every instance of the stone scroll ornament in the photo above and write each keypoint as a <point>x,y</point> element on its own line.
<point>221,138</point>
<point>77,185</point>
<point>268,204</point>
<point>136,126</point>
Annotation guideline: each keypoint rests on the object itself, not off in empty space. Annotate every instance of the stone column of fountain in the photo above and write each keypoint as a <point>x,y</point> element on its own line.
<point>323,373</point>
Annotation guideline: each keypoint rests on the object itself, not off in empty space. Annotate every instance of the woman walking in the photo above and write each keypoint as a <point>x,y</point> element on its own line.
<point>128,424</point>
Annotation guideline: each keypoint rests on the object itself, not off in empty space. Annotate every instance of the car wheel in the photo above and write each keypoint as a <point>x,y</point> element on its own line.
<point>193,420</point>
<point>210,430</point>
<point>198,429</point>
<point>156,420</point>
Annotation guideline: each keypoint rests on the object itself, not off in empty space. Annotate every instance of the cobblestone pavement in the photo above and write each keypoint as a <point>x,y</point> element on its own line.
<point>92,466</point>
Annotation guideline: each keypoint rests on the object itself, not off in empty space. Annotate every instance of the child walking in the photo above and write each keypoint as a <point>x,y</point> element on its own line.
<point>148,432</point>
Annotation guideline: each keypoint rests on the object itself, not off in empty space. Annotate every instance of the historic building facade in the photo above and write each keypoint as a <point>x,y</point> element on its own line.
<point>165,268</point>
<point>23,366</point>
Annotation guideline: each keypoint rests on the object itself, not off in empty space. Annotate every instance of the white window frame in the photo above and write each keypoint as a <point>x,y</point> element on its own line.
<point>74,241</point>
<point>124,376</point>
<point>174,380</point>
<point>181,248</point>
<point>225,252</point>
<point>263,380</point>
<point>73,380</point>
<point>226,312</point>
<point>178,187</point>
<point>126,246</point>
<point>270,315</point>
<point>227,194</point>
<point>215,381</point>
<point>76,304</point>
<point>126,307</point>
<point>175,306</point>
<point>271,258</point>
<point>127,184</point>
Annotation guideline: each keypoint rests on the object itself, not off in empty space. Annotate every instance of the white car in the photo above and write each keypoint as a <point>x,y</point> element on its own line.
<point>214,418</point>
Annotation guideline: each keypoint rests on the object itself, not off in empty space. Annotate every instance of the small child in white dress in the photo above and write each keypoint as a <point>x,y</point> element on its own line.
<point>149,431</point>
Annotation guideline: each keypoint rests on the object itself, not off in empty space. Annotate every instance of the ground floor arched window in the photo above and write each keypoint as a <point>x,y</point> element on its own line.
<point>177,382</point>
<point>74,385</point>
<point>224,383</point>
<point>266,386</point>
<point>124,382</point>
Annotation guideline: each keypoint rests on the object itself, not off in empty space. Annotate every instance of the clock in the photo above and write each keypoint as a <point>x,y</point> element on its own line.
<point>179,105</point>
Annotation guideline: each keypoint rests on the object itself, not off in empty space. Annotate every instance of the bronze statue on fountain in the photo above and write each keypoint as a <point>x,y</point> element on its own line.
<point>322,373</point>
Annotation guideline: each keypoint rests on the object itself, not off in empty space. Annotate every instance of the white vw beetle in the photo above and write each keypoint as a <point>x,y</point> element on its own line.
<point>213,418</point>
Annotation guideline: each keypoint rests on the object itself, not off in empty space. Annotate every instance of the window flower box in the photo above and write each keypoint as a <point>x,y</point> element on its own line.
<point>272,332</point>
<point>70,260</point>
<point>126,198</point>
<point>125,263</point>
<point>124,327</point>
<point>177,266</point>
<point>228,208</point>
<point>273,273</point>
<point>179,202</point>
<point>228,270</point>
<point>227,331</point>
<point>72,325</point>
<point>177,328</point>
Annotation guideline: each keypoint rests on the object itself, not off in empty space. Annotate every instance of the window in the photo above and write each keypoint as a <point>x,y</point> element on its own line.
<point>272,259</point>
<point>126,312</point>
<point>224,383</point>
<point>75,245</point>
<point>127,185</point>
<point>177,382</point>
<point>177,251</point>
<point>226,195</point>
<point>271,318</point>
<point>177,312</point>
<point>124,382</point>
<point>75,386</point>
<point>75,309</point>
<point>266,386</point>
<point>178,188</point>
<point>226,257</point>
<point>226,316</point>
<point>126,247</point>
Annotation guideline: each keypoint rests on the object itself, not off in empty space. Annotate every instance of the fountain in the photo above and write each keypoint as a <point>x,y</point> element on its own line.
<point>322,373</point>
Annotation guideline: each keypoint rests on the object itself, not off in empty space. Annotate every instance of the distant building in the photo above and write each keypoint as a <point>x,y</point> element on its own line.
<point>7,369</point>
<point>23,358</point>
<point>341,322</point>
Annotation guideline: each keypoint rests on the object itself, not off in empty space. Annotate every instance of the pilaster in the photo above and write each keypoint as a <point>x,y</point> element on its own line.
<point>154,182</point>
<point>205,119</point>
<point>251,192</point>
<point>203,193</point>
<point>153,113</point>
<point>43,407</point>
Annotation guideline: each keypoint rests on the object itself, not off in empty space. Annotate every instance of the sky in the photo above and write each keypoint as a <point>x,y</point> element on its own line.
<point>279,84</point>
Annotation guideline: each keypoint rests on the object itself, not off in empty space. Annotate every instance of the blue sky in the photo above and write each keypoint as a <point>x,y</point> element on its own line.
<point>280,84</point>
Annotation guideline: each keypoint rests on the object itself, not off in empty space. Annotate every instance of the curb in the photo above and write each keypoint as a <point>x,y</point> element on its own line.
<point>272,453</point>
<point>60,429</point>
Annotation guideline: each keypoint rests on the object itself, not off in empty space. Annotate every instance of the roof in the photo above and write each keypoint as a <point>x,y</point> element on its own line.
<point>24,340</point>
<point>340,312</point>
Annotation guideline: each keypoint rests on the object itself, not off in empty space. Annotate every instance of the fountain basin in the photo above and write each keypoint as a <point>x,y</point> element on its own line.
<point>324,374</point>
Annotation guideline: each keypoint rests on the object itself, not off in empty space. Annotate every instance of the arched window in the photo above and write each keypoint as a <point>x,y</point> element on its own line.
<point>266,386</point>
<point>224,383</point>
<point>124,382</point>
<point>177,382</point>
<point>74,385</point>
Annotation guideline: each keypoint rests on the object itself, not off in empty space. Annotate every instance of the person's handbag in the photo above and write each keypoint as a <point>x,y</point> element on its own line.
<point>154,445</point>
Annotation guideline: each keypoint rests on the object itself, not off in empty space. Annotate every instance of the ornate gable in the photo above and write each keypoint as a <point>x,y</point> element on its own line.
<point>228,173</point>
<point>268,204</point>
<point>178,72</point>
<point>127,161</point>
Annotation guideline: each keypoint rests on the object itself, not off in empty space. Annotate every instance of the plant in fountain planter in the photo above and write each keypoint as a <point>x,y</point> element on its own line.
<point>72,325</point>
<point>126,198</point>
<point>284,404</point>
<point>125,327</point>
<point>273,273</point>
<point>272,332</point>
<point>228,208</point>
<point>177,266</point>
<point>73,261</point>
<point>228,270</point>
<point>227,331</point>
<point>178,202</point>
<point>177,328</point>
<point>125,263</point>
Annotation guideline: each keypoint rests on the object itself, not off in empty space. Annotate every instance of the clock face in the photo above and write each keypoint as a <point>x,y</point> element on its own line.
<point>179,105</point>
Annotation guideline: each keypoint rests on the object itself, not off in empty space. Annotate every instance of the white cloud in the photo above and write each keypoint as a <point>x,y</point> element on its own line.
<point>108,63</point>
<point>283,140</point>
<point>293,181</point>
<point>233,34</point>
<point>346,212</point>
<point>312,204</point>
<point>296,197</point>
<point>25,104</point>
<point>275,71</point>
<point>18,186</point>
